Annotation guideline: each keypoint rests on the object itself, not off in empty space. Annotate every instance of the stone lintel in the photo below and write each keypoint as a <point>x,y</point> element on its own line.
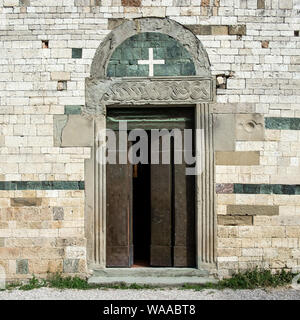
<point>137,90</point>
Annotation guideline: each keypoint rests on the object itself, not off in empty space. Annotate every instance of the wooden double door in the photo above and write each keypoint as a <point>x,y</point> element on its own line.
<point>150,207</point>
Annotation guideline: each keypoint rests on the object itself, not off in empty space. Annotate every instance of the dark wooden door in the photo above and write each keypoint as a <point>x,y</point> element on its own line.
<point>161,214</point>
<point>172,215</point>
<point>172,199</point>
<point>184,217</point>
<point>119,249</point>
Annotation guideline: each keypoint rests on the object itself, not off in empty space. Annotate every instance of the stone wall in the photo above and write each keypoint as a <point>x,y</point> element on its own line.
<point>46,51</point>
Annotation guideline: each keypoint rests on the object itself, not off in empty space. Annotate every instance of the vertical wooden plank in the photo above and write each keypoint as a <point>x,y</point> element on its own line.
<point>161,222</point>
<point>119,250</point>
<point>184,207</point>
<point>184,216</point>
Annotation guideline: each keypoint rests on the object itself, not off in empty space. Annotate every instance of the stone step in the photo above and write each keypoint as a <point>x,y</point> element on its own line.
<point>150,272</point>
<point>151,280</point>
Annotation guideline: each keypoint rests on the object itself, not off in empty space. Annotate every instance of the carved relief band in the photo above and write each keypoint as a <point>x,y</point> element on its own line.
<point>189,90</point>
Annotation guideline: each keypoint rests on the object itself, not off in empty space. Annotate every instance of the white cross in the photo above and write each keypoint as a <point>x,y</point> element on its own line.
<point>151,62</point>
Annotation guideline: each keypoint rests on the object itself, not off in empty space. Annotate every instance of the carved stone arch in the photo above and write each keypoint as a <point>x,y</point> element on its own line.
<point>198,90</point>
<point>163,25</point>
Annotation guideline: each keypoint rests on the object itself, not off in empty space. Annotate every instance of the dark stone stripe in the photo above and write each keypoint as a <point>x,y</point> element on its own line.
<point>282,123</point>
<point>41,185</point>
<point>73,109</point>
<point>76,53</point>
<point>258,188</point>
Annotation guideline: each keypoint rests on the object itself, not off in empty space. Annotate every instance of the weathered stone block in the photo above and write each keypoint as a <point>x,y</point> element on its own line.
<point>295,59</point>
<point>260,4</point>
<point>73,109</point>
<point>61,85</point>
<point>224,133</point>
<point>25,202</point>
<point>114,22</point>
<point>58,213</point>
<point>250,127</point>
<point>74,252</point>
<point>205,3</point>
<point>219,30</point>
<point>237,30</point>
<point>227,220</point>
<point>237,158</point>
<point>200,29</point>
<point>10,3</point>
<point>60,75</point>
<point>286,4</point>
<point>2,242</point>
<point>22,266</point>
<point>252,210</point>
<point>76,53</point>
<point>265,44</point>
<point>131,3</point>
<point>70,265</point>
<point>71,136</point>
<point>59,121</point>
<point>25,3</point>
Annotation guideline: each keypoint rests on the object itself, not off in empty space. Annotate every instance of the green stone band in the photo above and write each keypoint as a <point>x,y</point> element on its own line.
<point>41,185</point>
<point>238,188</point>
<point>275,123</point>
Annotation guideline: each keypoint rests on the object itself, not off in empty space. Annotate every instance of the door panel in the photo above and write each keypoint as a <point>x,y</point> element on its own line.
<point>172,195</point>
<point>161,210</point>
<point>184,237</point>
<point>184,213</point>
<point>119,250</point>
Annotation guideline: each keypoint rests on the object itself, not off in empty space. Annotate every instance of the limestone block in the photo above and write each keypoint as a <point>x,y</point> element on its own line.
<point>285,4</point>
<point>237,30</point>
<point>295,59</point>
<point>10,3</point>
<point>74,252</point>
<point>236,83</point>
<point>131,3</point>
<point>59,121</point>
<point>224,133</point>
<point>252,210</point>
<point>250,127</point>
<point>252,252</point>
<point>237,158</point>
<point>78,132</point>
<point>114,22</point>
<point>60,75</point>
<point>25,202</point>
<point>22,266</point>
<point>235,220</point>
<point>58,213</point>
<point>260,4</point>
<point>70,265</point>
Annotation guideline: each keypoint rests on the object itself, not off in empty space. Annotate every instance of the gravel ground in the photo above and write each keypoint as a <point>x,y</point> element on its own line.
<point>159,294</point>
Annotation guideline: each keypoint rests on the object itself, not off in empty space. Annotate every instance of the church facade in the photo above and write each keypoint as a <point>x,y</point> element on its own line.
<point>73,70</point>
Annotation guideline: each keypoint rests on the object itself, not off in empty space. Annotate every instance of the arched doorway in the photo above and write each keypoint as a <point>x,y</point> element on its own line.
<point>149,62</point>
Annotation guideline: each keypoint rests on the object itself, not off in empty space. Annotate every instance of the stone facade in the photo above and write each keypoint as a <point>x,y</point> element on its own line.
<point>47,49</point>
